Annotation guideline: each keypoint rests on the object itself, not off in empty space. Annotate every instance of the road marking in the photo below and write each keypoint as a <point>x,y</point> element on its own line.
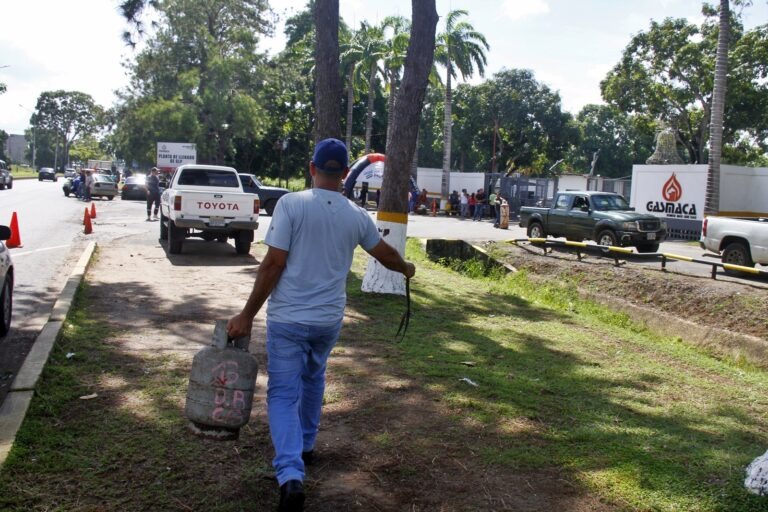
<point>17,254</point>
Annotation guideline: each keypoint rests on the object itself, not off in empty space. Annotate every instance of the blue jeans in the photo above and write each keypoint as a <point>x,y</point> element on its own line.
<point>479,211</point>
<point>296,361</point>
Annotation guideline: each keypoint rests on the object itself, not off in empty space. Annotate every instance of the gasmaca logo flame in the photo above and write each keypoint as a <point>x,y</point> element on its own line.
<point>672,191</point>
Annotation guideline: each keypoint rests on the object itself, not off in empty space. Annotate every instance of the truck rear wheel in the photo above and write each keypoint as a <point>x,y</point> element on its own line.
<point>536,230</point>
<point>175,238</point>
<point>163,227</point>
<point>737,253</point>
<point>269,206</point>
<point>606,237</point>
<point>243,242</point>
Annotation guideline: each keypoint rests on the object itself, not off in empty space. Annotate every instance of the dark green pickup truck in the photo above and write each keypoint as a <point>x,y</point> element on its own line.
<point>603,217</point>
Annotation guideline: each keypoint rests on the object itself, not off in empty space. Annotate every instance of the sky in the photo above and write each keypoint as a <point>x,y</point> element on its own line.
<point>570,46</point>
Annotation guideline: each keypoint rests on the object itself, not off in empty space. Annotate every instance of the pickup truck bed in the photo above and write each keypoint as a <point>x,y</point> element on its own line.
<point>739,241</point>
<point>208,202</point>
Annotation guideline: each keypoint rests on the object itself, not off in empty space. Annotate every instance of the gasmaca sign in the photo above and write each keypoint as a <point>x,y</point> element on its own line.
<point>673,193</point>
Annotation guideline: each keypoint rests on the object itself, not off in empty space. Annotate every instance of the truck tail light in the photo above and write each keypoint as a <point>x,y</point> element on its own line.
<point>704,227</point>
<point>256,204</point>
<point>177,203</point>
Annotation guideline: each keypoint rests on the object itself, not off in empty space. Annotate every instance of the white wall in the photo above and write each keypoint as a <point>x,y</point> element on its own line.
<point>571,182</point>
<point>743,191</point>
<point>431,179</point>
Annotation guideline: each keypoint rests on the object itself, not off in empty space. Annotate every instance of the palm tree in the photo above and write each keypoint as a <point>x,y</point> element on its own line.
<point>366,49</point>
<point>712,200</point>
<point>460,48</point>
<point>396,47</point>
<point>348,64</point>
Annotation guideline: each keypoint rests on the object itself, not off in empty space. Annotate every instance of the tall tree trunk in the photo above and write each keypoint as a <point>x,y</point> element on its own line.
<point>447,134</point>
<point>712,199</point>
<point>390,104</point>
<point>393,207</point>
<point>350,107</point>
<point>327,81</point>
<point>415,160</point>
<point>369,111</point>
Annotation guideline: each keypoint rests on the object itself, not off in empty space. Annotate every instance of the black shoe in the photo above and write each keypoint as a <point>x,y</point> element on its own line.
<point>291,496</point>
<point>308,457</point>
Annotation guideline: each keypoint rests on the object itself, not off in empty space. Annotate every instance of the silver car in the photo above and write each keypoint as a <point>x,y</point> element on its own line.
<point>6,282</point>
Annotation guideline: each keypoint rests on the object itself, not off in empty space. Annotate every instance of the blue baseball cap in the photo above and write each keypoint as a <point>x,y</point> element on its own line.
<point>330,156</point>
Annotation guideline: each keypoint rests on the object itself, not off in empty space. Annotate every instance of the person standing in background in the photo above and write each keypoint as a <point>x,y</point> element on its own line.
<point>153,193</point>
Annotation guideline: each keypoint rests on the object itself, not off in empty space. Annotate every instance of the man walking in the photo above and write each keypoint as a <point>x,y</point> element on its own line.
<point>311,241</point>
<point>153,192</point>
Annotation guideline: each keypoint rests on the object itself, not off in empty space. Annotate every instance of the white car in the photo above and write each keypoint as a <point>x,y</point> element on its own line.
<point>6,282</point>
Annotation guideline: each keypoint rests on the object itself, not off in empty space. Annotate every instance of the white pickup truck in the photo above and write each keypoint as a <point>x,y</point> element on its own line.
<point>739,241</point>
<point>207,201</point>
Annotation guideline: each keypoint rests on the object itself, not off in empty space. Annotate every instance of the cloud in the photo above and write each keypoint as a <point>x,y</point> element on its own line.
<point>520,9</point>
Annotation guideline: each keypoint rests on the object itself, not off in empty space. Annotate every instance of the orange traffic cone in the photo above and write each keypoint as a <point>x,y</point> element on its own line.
<point>87,223</point>
<point>93,210</point>
<point>15,240</point>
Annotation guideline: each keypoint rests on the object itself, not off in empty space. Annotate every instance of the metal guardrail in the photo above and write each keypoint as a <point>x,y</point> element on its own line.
<point>616,252</point>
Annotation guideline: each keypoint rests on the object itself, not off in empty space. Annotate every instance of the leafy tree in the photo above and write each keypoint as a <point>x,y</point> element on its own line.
<point>667,72</point>
<point>621,140</point>
<point>67,115</point>
<point>460,48</point>
<point>518,117</point>
<point>87,148</point>
<point>3,139</point>
<point>200,74</point>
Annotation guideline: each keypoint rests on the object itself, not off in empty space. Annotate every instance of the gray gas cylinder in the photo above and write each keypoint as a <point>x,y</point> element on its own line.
<point>221,384</point>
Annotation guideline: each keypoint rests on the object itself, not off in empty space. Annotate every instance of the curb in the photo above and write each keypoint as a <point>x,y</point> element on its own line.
<point>14,408</point>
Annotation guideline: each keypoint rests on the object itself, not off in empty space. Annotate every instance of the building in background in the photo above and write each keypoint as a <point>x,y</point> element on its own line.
<point>15,149</point>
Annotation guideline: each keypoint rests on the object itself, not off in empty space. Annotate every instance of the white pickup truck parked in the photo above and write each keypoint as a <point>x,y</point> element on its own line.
<point>207,201</point>
<point>739,241</point>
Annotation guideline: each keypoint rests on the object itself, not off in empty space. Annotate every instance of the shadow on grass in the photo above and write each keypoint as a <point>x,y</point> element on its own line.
<point>401,431</point>
<point>539,409</point>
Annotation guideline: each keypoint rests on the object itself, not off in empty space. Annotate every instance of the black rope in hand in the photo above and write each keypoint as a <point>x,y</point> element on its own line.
<point>407,314</point>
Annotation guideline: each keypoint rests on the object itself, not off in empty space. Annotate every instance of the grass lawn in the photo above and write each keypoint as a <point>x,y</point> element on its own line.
<point>23,172</point>
<point>643,422</point>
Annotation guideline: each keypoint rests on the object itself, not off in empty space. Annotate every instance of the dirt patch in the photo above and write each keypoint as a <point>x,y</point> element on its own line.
<point>726,304</point>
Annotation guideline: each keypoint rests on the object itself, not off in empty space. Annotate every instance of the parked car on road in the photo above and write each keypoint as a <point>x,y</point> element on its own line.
<point>739,241</point>
<point>103,186</point>
<point>267,195</point>
<point>6,178</point>
<point>47,173</point>
<point>134,187</point>
<point>6,282</point>
<point>69,172</point>
<point>604,217</point>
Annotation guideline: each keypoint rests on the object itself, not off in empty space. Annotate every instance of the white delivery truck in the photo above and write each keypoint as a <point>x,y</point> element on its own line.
<point>207,201</point>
